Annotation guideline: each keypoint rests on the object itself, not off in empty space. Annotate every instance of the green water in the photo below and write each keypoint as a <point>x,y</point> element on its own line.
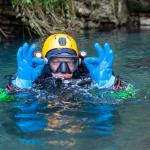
<point>82,123</point>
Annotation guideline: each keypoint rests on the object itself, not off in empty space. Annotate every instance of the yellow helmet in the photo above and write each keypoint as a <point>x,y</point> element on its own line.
<point>59,42</point>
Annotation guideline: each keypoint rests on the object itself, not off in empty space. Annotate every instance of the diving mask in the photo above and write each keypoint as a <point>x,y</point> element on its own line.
<point>63,64</point>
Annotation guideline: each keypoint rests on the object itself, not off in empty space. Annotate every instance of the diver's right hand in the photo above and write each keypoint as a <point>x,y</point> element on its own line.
<point>27,71</point>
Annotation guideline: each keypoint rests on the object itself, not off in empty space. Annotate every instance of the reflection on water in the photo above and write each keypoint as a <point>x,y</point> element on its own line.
<point>58,122</point>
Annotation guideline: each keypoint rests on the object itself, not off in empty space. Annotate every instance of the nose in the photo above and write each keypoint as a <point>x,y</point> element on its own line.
<point>63,68</point>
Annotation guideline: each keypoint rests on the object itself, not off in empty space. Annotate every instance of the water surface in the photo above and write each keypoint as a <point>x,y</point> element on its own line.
<point>78,123</point>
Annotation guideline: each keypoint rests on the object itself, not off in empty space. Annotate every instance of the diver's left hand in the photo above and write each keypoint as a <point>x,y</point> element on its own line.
<point>100,67</point>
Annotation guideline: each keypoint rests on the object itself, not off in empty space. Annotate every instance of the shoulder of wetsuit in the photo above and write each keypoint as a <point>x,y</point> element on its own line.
<point>82,71</point>
<point>9,86</point>
<point>46,79</point>
<point>12,89</point>
<point>46,72</point>
<point>119,83</point>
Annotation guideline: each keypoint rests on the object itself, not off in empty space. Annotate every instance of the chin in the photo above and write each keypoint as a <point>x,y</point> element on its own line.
<point>63,76</point>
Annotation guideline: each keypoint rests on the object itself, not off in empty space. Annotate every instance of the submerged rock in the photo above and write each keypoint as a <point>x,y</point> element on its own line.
<point>145,21</point>
<point>139,12</point>
<point>98,13</point>
<point>138,5</point>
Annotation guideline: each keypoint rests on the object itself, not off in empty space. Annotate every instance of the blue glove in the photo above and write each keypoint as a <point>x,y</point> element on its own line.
<point>101,68</point>
<point>27,71</point>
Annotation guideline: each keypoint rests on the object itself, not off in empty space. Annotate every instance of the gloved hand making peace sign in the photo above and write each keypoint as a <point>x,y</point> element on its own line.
<point>27,71</point>
<point>100,67</point>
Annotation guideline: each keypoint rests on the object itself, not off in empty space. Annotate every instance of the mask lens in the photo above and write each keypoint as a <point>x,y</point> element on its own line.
<point>63,64</point>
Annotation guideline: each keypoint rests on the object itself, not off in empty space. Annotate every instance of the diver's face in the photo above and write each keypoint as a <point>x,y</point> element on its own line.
<point>62,67</point>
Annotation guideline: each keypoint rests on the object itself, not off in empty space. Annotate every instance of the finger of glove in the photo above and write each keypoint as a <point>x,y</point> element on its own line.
<point>91,62</point>
<point>25,48</point>
<point>109,55</point>
<point>110,60</point>
<point>100,51</point>
<point>31,51</point>
<point>38,61</point>
<point>20,55</point>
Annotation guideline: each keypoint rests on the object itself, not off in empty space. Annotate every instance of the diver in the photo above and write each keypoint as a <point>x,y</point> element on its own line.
<point>60,59</point>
